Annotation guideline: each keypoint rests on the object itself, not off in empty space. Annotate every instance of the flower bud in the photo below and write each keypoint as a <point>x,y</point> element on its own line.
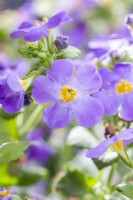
<point>61,42</point>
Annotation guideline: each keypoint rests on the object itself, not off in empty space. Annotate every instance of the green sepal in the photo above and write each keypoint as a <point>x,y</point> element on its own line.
<point>69,52</point>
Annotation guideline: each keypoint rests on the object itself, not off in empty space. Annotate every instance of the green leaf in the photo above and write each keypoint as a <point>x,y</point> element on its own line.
<point>126,189</point>
<point>12,150</point>
<point>70,52</point>
<point>31,174</point>
<point>73,183</point>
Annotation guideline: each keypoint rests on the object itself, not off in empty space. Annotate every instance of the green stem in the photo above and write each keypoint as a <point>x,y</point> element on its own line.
<point>32,121</point>
<point>111,174</point>
<point>12,127</point>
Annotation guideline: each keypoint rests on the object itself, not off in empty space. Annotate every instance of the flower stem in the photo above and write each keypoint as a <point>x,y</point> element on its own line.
<point>32,121</point>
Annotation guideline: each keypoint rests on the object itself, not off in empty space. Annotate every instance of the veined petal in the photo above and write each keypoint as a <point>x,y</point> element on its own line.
<point>57,115</point>
<point>89,78</point>
<point>61,71</point>
<point>88,111</point>
<point>43,90</point>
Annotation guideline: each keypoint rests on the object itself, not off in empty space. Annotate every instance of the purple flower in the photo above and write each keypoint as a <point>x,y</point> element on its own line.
<point>20,67</point>
<point>69,90</point>
<point>117,90</point>
<point>11,94</point>
<point>104,49</point>
<point>35,31</point>
<point>4,61</point>
<point>6,194</point>
<point>39,150</point>
<point>116,141</point>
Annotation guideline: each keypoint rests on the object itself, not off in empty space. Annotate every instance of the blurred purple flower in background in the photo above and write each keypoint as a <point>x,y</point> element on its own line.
<point>35,31</point>
<point>6,194</point>
<point>69,89</point>
<point>39,149</point>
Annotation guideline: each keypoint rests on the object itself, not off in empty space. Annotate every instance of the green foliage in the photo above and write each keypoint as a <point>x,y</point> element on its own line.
<point>12,150</point>
<point>126,189</point>
<point>74,183</point>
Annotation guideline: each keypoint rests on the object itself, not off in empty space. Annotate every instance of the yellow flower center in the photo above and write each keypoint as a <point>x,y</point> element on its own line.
<point>5,193</point>
<point>124,87</point>
<point>119,145</point>
<point>68,94</point>
<point>44,19</point>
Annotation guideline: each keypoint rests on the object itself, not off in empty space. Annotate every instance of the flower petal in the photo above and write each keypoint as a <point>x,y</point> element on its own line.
<point>88,111</point>
<point>110,101</point>
<point>61,71</point>
<point>35,34</point>
<point>13,103</point>
<point>57,115</point>
<point>127,107</point>
<point>89,78</point>
<point>99,150</point>
<point>58,19</point>
<point>124,70</point>
<point>13,83</point>
<point>18,33</point>
<point>108,78</point>
<point>43,90</point>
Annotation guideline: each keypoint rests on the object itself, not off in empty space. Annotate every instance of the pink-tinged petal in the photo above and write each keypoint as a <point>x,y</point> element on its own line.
<point>100,149</point>
<point>61,71</point>
<point>124,71</point>
<point>127,107</point>
<point>88,78</point>
<point>87,111</point>
<point>110,101</point>
<point>35,34</point>
<point>57,115</point>
<point>43,90</point>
